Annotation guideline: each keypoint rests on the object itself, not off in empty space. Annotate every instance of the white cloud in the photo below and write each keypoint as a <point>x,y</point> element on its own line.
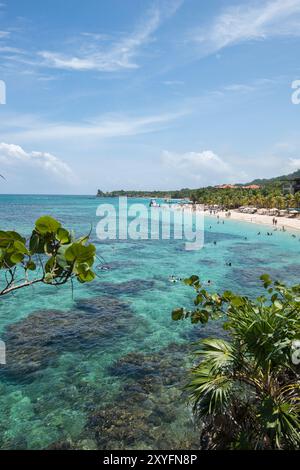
<point>250,22</point>
<point>12,155</point>
<point>239,88</point>
<point>197,169</point>
<point>202,168</point>
<point>12,50</point>
<point>120,53</point>
<point>4,34</point>
<point>173,82</point>
<point>105,127</point>
<point>294,164</point>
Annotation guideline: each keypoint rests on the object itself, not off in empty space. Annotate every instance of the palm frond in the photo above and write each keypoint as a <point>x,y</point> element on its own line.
<point>209,388</point>
<point>217,352</point>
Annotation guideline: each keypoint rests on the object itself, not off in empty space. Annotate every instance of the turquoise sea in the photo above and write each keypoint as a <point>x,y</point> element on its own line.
<point>104,367</point>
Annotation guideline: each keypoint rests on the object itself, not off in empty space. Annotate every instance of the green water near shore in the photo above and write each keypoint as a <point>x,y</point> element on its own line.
<point>106,369</point>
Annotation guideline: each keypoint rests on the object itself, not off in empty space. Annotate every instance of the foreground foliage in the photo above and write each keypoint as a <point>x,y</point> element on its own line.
<point>51,255</point>
<point>246,390</point>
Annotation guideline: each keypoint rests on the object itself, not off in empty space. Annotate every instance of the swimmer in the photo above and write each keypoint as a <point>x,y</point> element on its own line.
<point>104,267</point>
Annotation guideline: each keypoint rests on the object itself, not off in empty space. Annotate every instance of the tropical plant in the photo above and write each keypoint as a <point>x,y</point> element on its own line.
<point>245,389</point>
<point>51,255</point>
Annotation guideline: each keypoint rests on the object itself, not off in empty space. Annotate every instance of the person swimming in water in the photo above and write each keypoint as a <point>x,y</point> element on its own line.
<point>174,279</point>
<point>104,267</point>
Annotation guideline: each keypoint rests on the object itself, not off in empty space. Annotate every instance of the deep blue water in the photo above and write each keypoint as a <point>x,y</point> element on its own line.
<point>104,368</point>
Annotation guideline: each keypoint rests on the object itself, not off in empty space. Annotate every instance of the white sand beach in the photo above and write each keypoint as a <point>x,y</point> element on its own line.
<point>282,222</point>
<point>286,222</point>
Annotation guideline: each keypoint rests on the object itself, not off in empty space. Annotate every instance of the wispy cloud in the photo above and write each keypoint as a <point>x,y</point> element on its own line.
<point>120,53</point>
<point>239,88</point>
<point>11,50</point>
<point>4,34</point>
<point>14,156</point>
<point>245,22</point>
<point>104,127</point>
<point>173,82</point>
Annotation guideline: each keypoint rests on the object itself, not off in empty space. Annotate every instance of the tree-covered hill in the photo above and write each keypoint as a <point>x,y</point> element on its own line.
<point>269,193</point>
<point>277,180</point>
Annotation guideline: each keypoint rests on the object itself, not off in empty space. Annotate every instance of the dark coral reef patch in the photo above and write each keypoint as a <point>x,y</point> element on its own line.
<point>145,413</point>
<point>36,341</point>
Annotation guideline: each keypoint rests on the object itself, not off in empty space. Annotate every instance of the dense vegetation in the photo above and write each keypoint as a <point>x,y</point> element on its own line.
<point>267,197</point>
<point>270,194</point>
<point>51,255</point>
<point>182,193</point>
<point>246,390</point>
<point>277,181</point>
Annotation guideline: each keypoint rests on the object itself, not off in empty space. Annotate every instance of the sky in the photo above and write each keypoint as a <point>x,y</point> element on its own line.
<point>147,94</point>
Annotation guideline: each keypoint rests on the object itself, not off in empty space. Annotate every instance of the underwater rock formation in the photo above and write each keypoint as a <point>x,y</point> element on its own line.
<point>35,342</point>
<point>149,410</point>
<point>133,286</point>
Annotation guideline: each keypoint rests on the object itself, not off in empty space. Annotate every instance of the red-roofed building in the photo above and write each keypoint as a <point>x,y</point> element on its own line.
<point>252,186</point>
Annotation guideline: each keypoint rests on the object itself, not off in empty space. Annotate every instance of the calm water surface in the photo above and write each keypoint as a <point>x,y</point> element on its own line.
<point>104,368</point>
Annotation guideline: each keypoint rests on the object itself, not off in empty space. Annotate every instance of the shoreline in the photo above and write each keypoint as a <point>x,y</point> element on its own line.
<point>258,219</point>
<point>287,223</point>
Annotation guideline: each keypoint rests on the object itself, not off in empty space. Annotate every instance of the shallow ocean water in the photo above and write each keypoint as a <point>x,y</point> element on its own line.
<point>105,368</point>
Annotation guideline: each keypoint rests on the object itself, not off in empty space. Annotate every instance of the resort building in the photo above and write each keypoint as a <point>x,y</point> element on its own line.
<point>291,186</point>
<point>233,186</point>
<point>252,186</point>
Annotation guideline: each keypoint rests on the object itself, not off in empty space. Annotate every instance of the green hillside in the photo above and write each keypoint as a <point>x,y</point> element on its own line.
<point>270,194</point>
<point>277,180</point>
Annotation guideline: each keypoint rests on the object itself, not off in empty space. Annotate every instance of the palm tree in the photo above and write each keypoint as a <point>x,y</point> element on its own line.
<point>297,199</point>
<point>246,390</point>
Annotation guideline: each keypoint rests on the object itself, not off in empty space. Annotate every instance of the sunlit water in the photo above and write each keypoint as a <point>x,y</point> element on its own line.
<point>104,368</point>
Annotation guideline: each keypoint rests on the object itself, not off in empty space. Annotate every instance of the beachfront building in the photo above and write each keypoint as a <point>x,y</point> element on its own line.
<point>234,186</point>
<point>252,186</point>
<point>291,186</point>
